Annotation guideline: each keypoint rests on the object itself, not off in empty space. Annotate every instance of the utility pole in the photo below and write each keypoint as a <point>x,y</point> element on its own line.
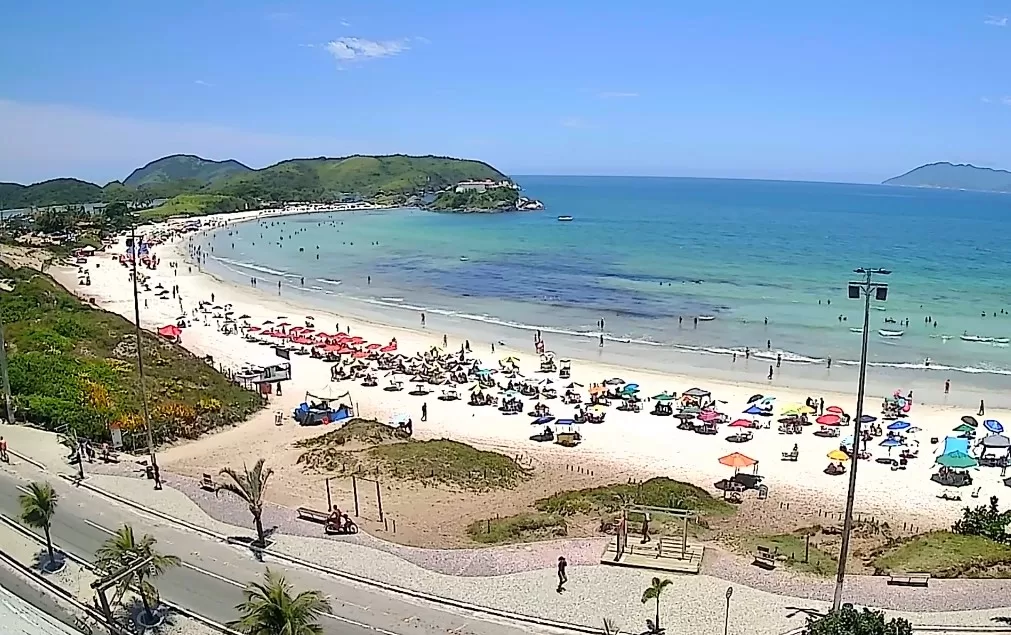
<point>8,410</point>
<point>866,287</point>
<point>140,358</point>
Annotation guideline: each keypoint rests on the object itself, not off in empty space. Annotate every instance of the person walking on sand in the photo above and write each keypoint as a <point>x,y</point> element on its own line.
<point>982,410</point>
<point>424,411</point>
<point>562,578</point>
<point>3,451</point>
<point>947,386</point>
<point>445,341</point>
<point>770,372</point>
<point>645,528</point>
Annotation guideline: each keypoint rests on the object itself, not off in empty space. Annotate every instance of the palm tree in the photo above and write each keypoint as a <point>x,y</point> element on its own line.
<point>249,485</point>
<point>123,550</point>
<point>653,593</point>
<point>38,506</point>
<point>269,608</point>
<point>610,628</point>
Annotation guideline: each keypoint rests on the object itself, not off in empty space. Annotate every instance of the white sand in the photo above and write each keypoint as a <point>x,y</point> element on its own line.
<point>633,443</point>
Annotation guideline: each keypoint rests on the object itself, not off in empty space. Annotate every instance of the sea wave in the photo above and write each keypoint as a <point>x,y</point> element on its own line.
<point>255,267</point>
<point>329,281</point>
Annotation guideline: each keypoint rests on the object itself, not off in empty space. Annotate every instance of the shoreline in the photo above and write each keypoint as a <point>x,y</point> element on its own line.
<point>631,444</point>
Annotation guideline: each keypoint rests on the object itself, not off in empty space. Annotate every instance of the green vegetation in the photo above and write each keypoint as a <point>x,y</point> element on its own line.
<point>123,550</point>
<point>653,592</point>
<point>194,205</point>
<point>851,621</point>
<point>365,431</point>
<point>946,555</point>
<point>791,548</point>
<point>985,520</point>
<point>72,364</point>
<point>184,167</point>
<point>38,506</point>
<point>496,199</point>
<point>526,527</point>
<point>435,461</point>
<point>656,492</point>
<point>52,192</point>
<point>270,607</point>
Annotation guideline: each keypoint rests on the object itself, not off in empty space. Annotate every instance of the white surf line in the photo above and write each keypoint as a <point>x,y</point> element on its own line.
<point>241,585</point>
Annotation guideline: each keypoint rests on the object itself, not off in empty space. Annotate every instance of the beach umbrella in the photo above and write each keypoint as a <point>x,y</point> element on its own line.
<point>546,381</point>
<point>573,385</point>
<point>963,428</point>
<point>957,459</point>
<point>309,317</point>
<point>387,349</point>
<point>663,397</point>
<point>283,324</point>
<point>836,410</point>
<point>282,317</point>
<point>993,426</point>
<point>509,360</point>
<point>755,398</point>
<point>170,330</point>
<point>614,381</point>
<point>868,419</point>
<point>630,388</point>
<point>344,350</point>
<point>245,316</point>
<point>899,425</point>
<point>737,460</point>
<point>754,410</point>
<point>356,340</point>
<point>798,409</point>
<point>596,390</point>
<point>995,441</point>
<point>828,420</point>
<point>360,354</point>
<point>253,328</point>
<point>838,455</point>
<point>374,347</point>
<point>970,420</point>
<point>741,423</point>
<point>891,442</point>
<point>709,415</point>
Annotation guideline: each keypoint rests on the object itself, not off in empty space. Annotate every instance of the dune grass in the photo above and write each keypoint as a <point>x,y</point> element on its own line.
<point>944,554</point>
<point>193,205</point>
<point>656,492</point>
<point>791,547</point>
<point>525,527</point>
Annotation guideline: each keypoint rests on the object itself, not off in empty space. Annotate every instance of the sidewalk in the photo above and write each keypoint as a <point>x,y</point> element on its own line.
<point>594,591</point>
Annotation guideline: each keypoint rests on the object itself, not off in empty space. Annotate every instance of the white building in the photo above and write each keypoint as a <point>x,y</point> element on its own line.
<point>482,186</point>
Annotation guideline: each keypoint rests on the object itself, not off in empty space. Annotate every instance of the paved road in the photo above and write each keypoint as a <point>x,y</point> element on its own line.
<point>213,573</point>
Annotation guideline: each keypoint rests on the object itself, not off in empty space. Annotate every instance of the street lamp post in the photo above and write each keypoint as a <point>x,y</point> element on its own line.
<point>140,359</point>
<point>867,287</point>
<point>8,410</point>
<point>726,616</point>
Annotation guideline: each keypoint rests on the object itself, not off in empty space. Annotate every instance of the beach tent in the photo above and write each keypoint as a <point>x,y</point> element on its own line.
<point>995,441</point>
<point>957,460</point>
<point>955,444</point>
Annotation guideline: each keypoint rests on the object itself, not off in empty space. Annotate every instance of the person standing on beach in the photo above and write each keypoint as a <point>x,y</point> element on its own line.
<point>768,345</point>
<point>830,362</point>
<point>424,411</point>
<point>947,386</point>
<point>779,360</point>
<point>601,344</point>
<point>3,451</point>
<point>423,319</point>
<point>770,372</point>
<point>445,341</point>
<point>562,577</point>
<point>821,406</point>
<point>696,323</point>
<point>982,410</point>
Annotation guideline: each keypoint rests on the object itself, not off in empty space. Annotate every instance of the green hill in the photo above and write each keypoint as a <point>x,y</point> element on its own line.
<point>394,178</point>
<point>961,176</point>
<point>178,167</point>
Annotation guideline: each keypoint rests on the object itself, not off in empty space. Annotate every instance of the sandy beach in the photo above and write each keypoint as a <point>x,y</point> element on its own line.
<point>627,445</point>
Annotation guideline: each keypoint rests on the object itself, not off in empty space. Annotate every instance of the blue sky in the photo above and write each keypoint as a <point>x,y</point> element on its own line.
<point>846,91</point>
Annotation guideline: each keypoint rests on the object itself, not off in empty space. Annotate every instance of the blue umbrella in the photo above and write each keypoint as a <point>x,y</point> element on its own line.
<point>993,426</point>
<point>868,419</point>
<point>899,425</point>
<point>891,443</point>
<point>754,410</point>
<point>566,422</point>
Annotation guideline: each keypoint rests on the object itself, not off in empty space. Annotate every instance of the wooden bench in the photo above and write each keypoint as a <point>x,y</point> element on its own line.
<point>207,483</point>
<point>765,557</point>
<point>910,579</point>
<point>312,515</point>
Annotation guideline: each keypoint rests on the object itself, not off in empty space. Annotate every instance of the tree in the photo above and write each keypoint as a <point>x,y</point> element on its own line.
<point>610,628</point>
<point>123,550</point>
<point>653,593</point>
<point>38,506</point>
<point>249,485</point>
<point>849,621</point>
<point>269,608</point>
<point>986,521</point>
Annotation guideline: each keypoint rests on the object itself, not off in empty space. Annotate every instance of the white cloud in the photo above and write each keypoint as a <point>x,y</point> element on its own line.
<point>993,20</point>
<point>617,95</point>
<point>985,100</point>
<point>43,141</point>
<point>345,23</point>
<point>354,49</point>
<point>1006,100</point>
<point>574,122</point>
<point>200,82</point>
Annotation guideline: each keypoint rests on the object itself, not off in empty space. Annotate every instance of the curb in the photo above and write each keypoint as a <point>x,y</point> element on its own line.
<point>28,460</point>
<point>376,584</point>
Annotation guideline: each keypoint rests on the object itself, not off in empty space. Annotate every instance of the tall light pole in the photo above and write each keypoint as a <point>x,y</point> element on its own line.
<point>879,290</point>
<point>9,411</point>
<point>140,357</point>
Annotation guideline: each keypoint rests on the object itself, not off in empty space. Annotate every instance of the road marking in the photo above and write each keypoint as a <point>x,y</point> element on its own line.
<point>240,585</point>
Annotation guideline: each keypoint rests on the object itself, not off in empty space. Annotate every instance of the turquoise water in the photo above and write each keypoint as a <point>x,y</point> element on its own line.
<point>643,252</point>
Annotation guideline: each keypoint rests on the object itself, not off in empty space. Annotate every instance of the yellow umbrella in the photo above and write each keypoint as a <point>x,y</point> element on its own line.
<point>798,409</point>
<point>598,408</point>
<point>509,360</point>
<point>475,387</point>
<point>838,455</point>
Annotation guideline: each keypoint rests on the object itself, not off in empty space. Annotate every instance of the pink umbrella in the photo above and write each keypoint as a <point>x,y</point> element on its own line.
<point>389,348</point>
<point>356,340</point>
<point>279,334</point>
<point>834,410</point>
<point>344,350</point>
<point>828,420</point>
<point>741,423</point>
<point>709,415</point>
<point>360,354</point>
<point>373,347</point>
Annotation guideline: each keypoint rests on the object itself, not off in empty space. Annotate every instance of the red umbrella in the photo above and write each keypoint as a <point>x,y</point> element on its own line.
<point>332,348</point>
<point>321,335</point>
<point>279,334</point>
<point>170,330</point>
<point>389,348</point>
<point>373,347</point>
<point>834,410</point>
<point>741,423</point>
<point>293,329</point>
<point>828,420</point>
<point>356,340</point>
<point>708,415</point>
<point>360,354</point>
<point>344,350</point>
<point>253,328</point>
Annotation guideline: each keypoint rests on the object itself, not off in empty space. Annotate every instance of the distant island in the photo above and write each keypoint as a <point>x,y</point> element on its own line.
<point>188,184</point>
<point>955,176</point>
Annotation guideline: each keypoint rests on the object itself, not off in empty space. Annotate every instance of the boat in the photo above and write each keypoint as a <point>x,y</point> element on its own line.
<point>464,258</point>
<point>887,333</point>
<point>856,329</point>
<point>706,318</point>
<point>1001,340</point>
<point>975,338</point>
<point>565,219</point>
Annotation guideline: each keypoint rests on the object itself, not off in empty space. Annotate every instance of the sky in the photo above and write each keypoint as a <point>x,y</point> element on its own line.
<point>838,91</point>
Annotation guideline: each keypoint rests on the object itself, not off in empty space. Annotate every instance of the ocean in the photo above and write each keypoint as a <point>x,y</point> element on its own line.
<point>768,260</point>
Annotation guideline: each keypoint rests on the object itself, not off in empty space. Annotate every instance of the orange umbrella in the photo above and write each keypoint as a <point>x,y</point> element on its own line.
<point>596,390</point>
<point>737,460</point>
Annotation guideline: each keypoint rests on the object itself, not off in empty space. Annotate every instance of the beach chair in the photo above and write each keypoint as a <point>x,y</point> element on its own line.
<point>765,557</point>
<point>207,483</point>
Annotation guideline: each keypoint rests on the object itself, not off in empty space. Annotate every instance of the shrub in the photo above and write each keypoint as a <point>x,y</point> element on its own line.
<point>984,520</point>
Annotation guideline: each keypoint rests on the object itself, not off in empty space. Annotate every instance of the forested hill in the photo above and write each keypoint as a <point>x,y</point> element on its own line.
<point>395,177</point>
<point>962,176</point>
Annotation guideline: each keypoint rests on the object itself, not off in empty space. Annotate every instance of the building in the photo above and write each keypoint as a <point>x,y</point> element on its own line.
<point>482,186</point>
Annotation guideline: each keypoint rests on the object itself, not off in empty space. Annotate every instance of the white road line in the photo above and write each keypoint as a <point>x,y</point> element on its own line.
<point>240,585</point>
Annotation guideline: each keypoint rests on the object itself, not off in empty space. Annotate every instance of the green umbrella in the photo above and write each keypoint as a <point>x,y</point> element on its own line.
<point>663,397</point>
<point>956,459</point>
<point>964,428</point>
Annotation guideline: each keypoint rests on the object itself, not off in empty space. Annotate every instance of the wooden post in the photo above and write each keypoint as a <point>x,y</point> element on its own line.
<point>329,501</point>
<point>684,539</point>
<point>379,498</point>
<point>354,488</point>
<point>807,547</point>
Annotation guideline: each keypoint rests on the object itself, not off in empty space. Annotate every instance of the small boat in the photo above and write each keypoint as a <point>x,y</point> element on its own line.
<point>856,329</point>
<point>564,219</point>
<point>887,333</point>
<point>1001,340</point>
<point>975,338</point>
<point>464,258</point>
<point>706,318</point>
